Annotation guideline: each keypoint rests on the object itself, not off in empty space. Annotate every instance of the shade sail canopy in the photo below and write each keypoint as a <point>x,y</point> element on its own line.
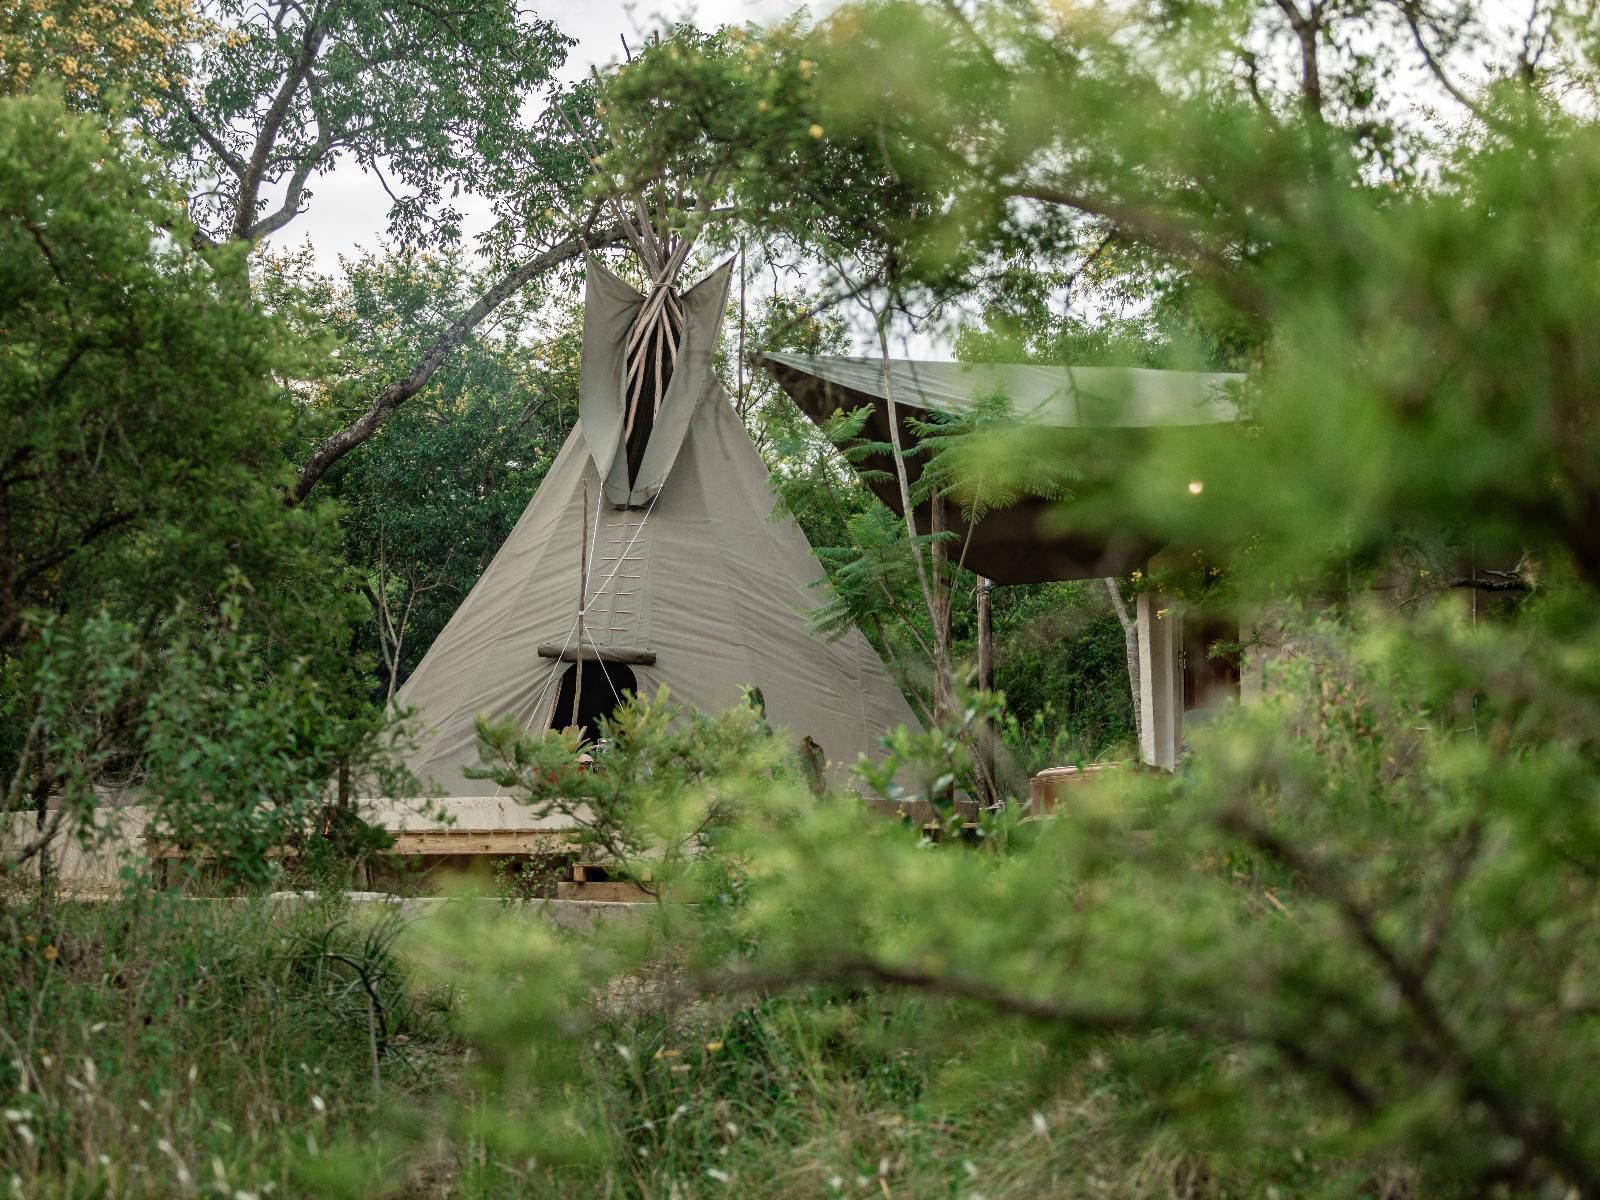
<point>1099,415</point>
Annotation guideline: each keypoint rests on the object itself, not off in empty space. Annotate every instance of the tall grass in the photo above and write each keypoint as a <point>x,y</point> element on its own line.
<point>157,1046</point>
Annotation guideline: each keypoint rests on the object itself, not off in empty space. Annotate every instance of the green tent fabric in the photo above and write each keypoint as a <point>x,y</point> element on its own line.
<point>701,589</point>
<point>609,308</point>
<point>1104,412</point>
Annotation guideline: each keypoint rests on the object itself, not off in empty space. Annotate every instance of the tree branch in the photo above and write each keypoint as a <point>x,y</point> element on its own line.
<point>33,847</point>
<point>391,397</point>
<point>1519,1116</point>
<point>1156,229</point>
<point>213,143</point>
<point>271,125</point>
<point>308,162</point>
<point>859,972</point>
<point>1513,584</point>
<point>1411,11</point>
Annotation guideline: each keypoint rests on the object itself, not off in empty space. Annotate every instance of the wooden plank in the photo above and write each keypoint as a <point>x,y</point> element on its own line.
<point>432,841</point>
<point>601,654</point>
<point>627,893</point>
<point>481,841</point>
<point>155,848</point>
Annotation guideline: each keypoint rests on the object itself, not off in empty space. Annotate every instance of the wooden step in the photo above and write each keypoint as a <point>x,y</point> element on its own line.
<point>609,890</point>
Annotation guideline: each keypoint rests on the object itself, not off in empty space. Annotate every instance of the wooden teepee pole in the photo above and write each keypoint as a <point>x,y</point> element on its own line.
<point>583,599</point>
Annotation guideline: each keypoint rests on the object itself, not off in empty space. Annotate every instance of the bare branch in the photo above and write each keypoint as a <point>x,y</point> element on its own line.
<point>271,125</point>
<point>38,844</point>
<point>1411,11</point>
<point>395,394</point>
<point>1492,585</point>
<point>213,143</point>
<point>1157,229</point>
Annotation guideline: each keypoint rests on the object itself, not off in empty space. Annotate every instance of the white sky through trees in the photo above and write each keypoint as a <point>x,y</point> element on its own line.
<point>349,210</point>
<point>350,207</point>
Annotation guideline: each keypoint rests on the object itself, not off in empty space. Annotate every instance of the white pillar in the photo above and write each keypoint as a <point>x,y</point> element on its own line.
<point>1160,682</point>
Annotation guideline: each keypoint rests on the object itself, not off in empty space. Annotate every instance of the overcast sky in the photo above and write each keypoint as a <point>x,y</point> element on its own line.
<point>350,208</point>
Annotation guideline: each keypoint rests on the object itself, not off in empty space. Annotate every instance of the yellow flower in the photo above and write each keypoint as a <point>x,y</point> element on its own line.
<point>50,953</point>
<point>713,1046</point>
<point>69,66</point>
<point>815,130</point>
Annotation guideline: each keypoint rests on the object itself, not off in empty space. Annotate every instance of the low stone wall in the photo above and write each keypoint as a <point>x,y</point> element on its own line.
<point>93,867</point>
<point>89,864</point>
<point>575,915</point>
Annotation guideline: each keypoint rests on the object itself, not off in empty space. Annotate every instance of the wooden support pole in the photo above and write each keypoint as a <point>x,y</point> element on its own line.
<point>583,600</point>
<point>986,676</point>
<point>600,654</point>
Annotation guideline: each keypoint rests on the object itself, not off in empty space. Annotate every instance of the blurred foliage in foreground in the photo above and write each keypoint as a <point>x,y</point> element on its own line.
<point>1347,951</point>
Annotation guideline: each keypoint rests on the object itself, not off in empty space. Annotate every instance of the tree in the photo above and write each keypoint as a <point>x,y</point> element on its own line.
<point>142,529</point>
<point>290,90</point>
<point>436,492</point>
<point>286,91</point>
<point>257,102</point>
<point>100,55</point>
<point>142,415</point>
<point>1349,941</point>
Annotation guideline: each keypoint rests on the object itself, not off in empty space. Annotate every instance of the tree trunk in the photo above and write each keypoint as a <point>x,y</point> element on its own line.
<point>1130,644</point>
<point>944,699</point>
<point>986,683</point>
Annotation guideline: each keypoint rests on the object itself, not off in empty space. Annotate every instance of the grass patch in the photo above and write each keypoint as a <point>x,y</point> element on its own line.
<point>157,1046</point>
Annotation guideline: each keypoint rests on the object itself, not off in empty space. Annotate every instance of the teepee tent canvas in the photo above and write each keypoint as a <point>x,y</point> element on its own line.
<point>657,513</point>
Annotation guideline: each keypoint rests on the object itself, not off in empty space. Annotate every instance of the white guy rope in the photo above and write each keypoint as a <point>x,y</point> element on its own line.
<point>573,629</point>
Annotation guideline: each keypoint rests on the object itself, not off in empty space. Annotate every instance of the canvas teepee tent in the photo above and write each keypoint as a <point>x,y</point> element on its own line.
<point>657,513</point>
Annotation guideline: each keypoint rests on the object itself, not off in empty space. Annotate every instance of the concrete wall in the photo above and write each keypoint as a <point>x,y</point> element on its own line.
<point>1160,682</point>
<point>91,864</point>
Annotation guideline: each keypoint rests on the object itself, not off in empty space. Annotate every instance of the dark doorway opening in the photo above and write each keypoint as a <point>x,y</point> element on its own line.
<point>605,685</point>
<point>1209,680</point>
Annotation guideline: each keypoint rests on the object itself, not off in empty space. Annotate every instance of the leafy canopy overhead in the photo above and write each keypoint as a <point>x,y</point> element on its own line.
<point>430,97</point>
<point>138,384</point>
